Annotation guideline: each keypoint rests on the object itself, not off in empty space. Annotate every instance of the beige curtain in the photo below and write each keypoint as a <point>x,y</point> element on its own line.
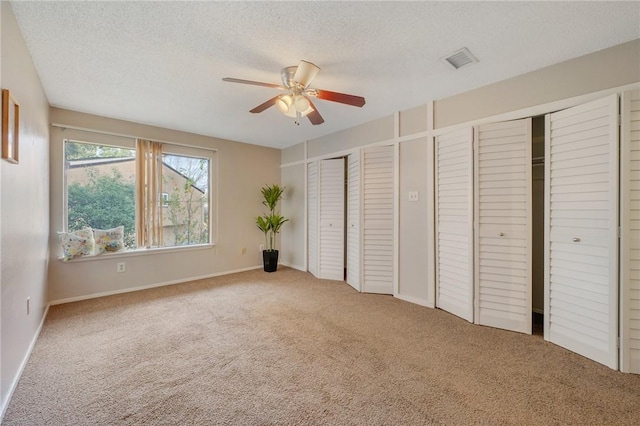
<point>149,190</point>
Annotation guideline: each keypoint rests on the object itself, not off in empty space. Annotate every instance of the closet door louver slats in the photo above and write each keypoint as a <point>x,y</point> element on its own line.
<point>353,221</point>
<point>503,225</point>
<point>581,243</point>
<point>454,223</point>
<point>331,195</point>
<point>312,218</point>
<point>630,235</point>
<point>377,214</point>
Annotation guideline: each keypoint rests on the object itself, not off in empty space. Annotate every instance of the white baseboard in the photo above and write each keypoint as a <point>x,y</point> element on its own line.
<point>298,267</point>
<point>416,300</point>
<point>16,379</point>
<point>14,384</point>
<point>145,287</point>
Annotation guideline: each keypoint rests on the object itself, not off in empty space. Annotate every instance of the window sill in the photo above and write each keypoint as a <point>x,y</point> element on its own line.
<point>137,252</point>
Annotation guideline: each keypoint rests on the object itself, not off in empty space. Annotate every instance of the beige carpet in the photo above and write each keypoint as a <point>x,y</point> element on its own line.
<point>283,348</point>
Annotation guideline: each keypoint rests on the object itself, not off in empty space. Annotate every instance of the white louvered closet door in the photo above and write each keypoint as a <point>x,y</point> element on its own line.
<point>581,224</point>
<point>353,221</point>
<point>331,205</point>
<point>630,235</point>
<point>454,223</point>
<point>377,238</point>
<point>312,218</point>
<point>503,225</point>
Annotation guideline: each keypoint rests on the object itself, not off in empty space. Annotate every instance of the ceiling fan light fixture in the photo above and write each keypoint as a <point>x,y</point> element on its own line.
<point>306,111</point>
<point>305,72</point>
<point>296,102</point>
<point>293,113</point>
<point>301,103</point>
<point>284,103</point>
<point>291,106</point>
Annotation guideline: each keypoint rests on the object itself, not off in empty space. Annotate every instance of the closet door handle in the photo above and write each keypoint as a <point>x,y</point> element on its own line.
<point>575,239</point>
<point>501,234</point>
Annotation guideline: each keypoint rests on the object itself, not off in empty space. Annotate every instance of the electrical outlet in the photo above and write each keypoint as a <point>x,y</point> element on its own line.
<point>28,305</point>
<point>413,195</point>
<point>121,267</point>
<point>261,247</point>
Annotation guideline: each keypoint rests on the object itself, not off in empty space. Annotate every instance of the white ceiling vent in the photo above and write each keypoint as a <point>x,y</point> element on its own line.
<point>460,58</point>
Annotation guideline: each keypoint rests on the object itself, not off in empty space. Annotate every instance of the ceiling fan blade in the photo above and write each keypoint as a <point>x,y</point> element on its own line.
<point>271,102</point>
<point>305,72</point>
<point>343,98</point>
<point>314,116</point>
<point>254,83</point>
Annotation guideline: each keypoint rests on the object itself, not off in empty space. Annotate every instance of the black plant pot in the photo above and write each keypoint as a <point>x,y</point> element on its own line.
<point>270,260</point>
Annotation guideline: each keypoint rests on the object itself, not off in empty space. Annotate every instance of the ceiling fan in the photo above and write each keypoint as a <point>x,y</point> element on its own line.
<point>296,101</point>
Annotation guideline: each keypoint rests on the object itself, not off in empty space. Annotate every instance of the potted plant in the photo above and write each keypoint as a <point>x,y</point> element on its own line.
<point>270,224</point>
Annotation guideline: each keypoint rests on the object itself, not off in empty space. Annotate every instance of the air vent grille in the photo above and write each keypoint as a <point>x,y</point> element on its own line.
<point>460,58</point>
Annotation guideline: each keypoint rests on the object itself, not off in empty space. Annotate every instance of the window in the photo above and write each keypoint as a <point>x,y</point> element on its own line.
<point>101,187</point>
<point>104,190</point>
<point>185,219</point>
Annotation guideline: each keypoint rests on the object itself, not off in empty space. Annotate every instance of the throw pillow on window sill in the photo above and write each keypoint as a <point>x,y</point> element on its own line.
<point>109,240</point>
<point>77,243</point>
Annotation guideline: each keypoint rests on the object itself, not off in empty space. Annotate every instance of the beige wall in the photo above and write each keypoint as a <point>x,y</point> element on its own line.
<point>3,397</point>
<point>292,154</point>
<point>364,134</point>
<point>415,221</point>
<point>293,207</point>
<point>414,173</point>
<point>605,69</point>
<point>24,216</point>
<point>414,120</point>
<point>241,171</point>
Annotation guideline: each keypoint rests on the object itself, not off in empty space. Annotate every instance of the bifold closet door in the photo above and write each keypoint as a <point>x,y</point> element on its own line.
<point>581,230</point>
<point>377,216</point>
<point>312,218</point>
<point>454,223</point>
<point>630,235</point>
<point>353,220</point>
<point>331,218</point>
<point>503,225</point>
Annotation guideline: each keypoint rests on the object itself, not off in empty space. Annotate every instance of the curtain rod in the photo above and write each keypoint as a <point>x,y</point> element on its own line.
<point>101,132</point>
<point>121,135</point>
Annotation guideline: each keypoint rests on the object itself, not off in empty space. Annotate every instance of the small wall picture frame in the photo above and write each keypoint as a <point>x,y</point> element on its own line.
<point>10,126</point>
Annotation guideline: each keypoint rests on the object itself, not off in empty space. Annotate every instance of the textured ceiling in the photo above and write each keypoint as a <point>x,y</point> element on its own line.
<point>161,63</point>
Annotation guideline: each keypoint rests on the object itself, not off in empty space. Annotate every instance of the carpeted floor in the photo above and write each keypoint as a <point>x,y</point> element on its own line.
<point>284,348</point>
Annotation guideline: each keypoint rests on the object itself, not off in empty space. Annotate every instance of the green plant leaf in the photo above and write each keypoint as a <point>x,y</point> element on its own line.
<point>271,223</point>
<point>272,194</point>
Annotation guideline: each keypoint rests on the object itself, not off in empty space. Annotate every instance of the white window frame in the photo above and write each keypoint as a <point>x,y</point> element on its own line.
<point>168,148</point>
